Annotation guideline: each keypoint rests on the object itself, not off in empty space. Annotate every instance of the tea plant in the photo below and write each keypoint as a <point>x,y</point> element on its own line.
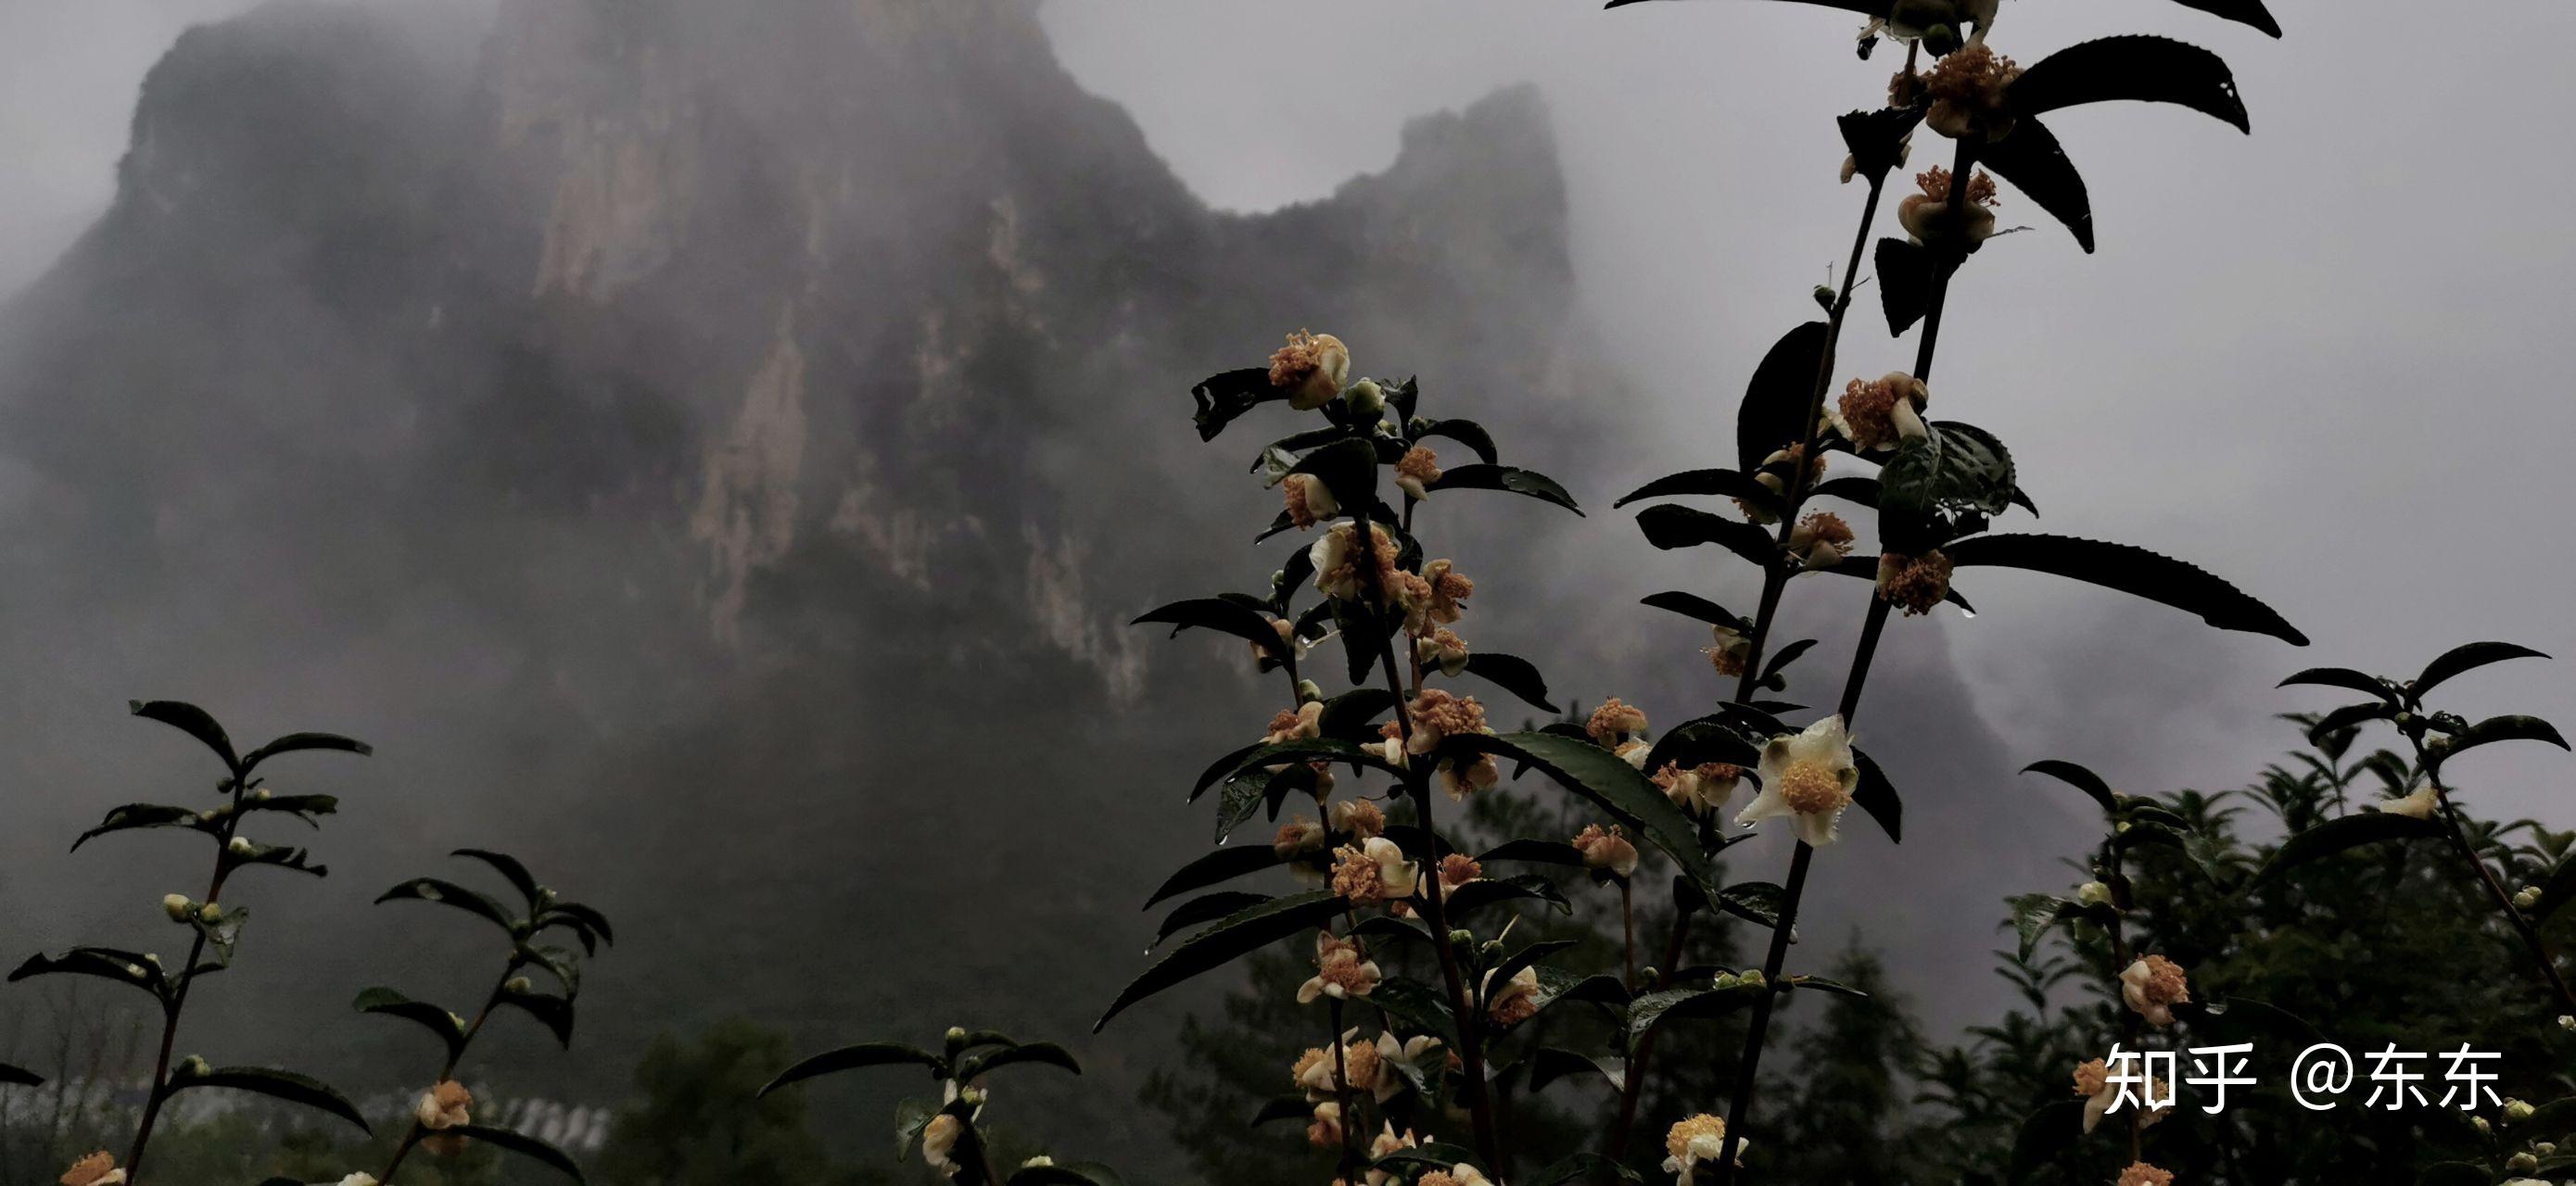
<point>946,1132</point>
<point>215,929</point>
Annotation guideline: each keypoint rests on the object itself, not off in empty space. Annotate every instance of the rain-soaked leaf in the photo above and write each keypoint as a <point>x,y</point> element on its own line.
<point>851,1058</point>
<point>1779,396</point>
<point>2037,165</point>
<point>1906,277</point>
<point>1221,615</point>
<point>1725,482</point>
<point>191,720</point>
<point>521,1144</point>
<point>1512,674</point>
<point>1670,525</point>
<point>2135,571</point>
<point>1231,938</point>
<point>1507,478</point>
<point>2133,67</point>
<point>2469,657</point>
<point>2342,835</point>
<point>284,1085</point>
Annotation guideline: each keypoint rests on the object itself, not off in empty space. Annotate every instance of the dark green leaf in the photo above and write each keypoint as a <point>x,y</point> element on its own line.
<point>851,1058</point>
<point>436,1020</point>
<point>1906,277</point>
<point>191,720</point>
<point>1549,1064</point>
<point>294,742</point>
<point>2469,657</point>
<point>1417,1006</point>
<point>2135,571</point>
<point>1466,432</point>
<point>1221,615</point>
<point>2339,677</point>
<point>1312,749</point>
<point>2045,1135</point>
<point>1877,796</point>
<point>551,1011</point>
<point>2033,914</point>
<point>284,1085</point>
<point>1205,908</point>
<point>2138,67</point>
<point>1352,716</point>
<point>521,1144</point>
<point>1503,477</point>
<point>2512,727</point>
<point>1726,482</point>
<point>19,1076</point>
<point>1779,396</point>
<point>1467,899</point>
<point>1653,1009</point>
<point>2079,778</point>
<point>2250,12</point>
<point>1696,608</point>
<point>275,856</point>
<point>1348,468</point>
<point>1669,526</point>
<point>1512,674</point>
<point>508,867</point>
<point>1693,743</point>
<point>145,815</point>
<point>448,893</point>
<point>2554,892</point>
<point>2037,165</point>
<point>106,963</point>
<point>2340,835</point>
<point>1851,489</point>
<point>1222,397</point>
<point>1042,1053</point>
<point>2349,716</point>
<point>1611,784</point>
<point>1225,864</point>
<point>1229,939</point>
<point>1543,852</point>
<point>1877,138</point>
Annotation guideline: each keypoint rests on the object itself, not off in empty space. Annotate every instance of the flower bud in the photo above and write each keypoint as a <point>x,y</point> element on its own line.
<point>1753,978</point>
<point>517,984</point>
<point>1309,692</point>
<point>1727,980</point>
<point>2567,1021</point>
<point>177,906</point>
<point>956,1034</point>
<point>2521,1163</point>
<point>973,1096</point>
<point>210,913</point>
<point>2544,1148</point>
<point>1041,1161</point>
<point>1366,399</point>
<point>1461,937</point>
<point>238,847</point>
<point>2516,1111</point>
<point>2093,893</point>
<point>2480,1123</point>
<point>194,1065</point>
<point>261,794</point>
<point>2527,897</point>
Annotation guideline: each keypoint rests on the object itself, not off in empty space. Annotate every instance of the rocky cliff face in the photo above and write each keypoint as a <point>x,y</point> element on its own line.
<point>713,450</point>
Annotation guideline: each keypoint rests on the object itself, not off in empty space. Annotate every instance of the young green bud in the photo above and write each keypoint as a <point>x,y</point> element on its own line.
<point>517,985</point>
<point>177,906</point>
<point>2521,1163</point>
<point>2093,893</point>
<point>1366,399</point>
<point>1309,692</point>
<point>2526,897</point>
<point>2516,1111</point>
<point>210,913</point>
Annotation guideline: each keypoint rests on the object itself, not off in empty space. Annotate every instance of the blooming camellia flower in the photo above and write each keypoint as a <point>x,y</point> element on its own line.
<point>1876,414</point>
<point>1927,216</point>
<point>1634,753</point>
<point>1442,649</point>
<point>1692,1141</point>
<point>1418,468</point>
<point>1732,649</point>
<point>1301,723</point>
<point>1914,583</point>
<point>1768,475</point>
<point>2140,1173</point>
<point>2093,1082</point>
<point>1387,1142</point>
<point>1309,500</point>
<point>358,1180</point>
<point>2152,986</point>
<point>1326,1131</point>
<point>2416,804</point>
<point>1820,540</point>
<point>1608,849</point>
<point>1967,90</point>
<point>1701,789</point>
<point>1337,571</point>
<point>1410,1055</point>
<point>97,1169</point>
<point>1613,721</point>
<point>1807,777</point>
<point>1449,587</point>
<point>1515,1002</point>
<point>1359,1068</point>
<point>1461,1174</point>
<point>939,1140</point>
<point>1311,368</point>
<point>1298,835</point>
<point>1340,971</point>
<point>446,1104</point>
<point>1437,714</point>
<point>1456,869</point>
<point>1358,818</point>
<point>1371,871</point>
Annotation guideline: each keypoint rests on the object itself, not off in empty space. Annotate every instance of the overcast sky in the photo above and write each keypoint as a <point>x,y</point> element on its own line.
<point>2313,360</point>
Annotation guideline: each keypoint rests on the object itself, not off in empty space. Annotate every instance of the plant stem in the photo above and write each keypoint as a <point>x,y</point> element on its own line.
<point>2522,928</point>
<point>2128,1017</point>
<point>1417,781</point>
<point>187,979</point>
<point>1775,580</point>
<point>446,1071</point>
<point>1740,1106</point>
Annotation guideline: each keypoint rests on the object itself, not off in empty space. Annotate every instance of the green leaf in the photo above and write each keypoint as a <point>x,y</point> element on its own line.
<point>223,934</point>
<point>1549,1064</point>
<point>2468,657</point>
<point>1850,488</point>
<point>1826,985</point>
<point>551,1011</point>
<point>2511,727</point>
<point>521,1144</point>
<point>1225,864</point>
<point>146,815</point>
<point>2340,835</point>
<point>302,807</point>
<point>1778,397</point>
<point>2033,914</point>
<point>448,893</point>
<point>1222,616</point>
<point>284,1085</point>
<point>2047,1133</point>
<point>1877,138</point>
<point>1233,937</point>
<point>1348,468</point>
<point>1222,397</point>
<point>2347,717</point>
<point>1067,1173</point>
<point>1352,716</point>
<point>295,742</point>
<point>1866,568</point>
<point>588,924</point>
<point>1476,895</point>
<point>1655,1008</point>
<point>2555,892</point>
<point>1877,796</point>
<point>2079,778</point>
<point>1041,1053</point>
<point>1611,784</point>
<point>1417,1006</point>
<point>1698,609</point>
<point>1465,432</point>
<point>1312,749</point>
<point>1205,908</point>
<point>430,1017</point>
<point>19,1076</point>
<point>2037,165</point>
<point>509,868</point>
<point>2339,677</point>
<point>276,856</point>
<point>1756,902</point>
<point>1956,466</point>
<point>910,1117</point>
<point>2136,67</point>
<point>105,963</point>
<point>2135,571</point>
<point>1670,525</point>
<point>1507,478</point>
<point>1707,739</point>
<point>1512,674</point>
<point>1906,277</point>
<point>1726,482</point>
<point>191,720</point>
<point>851,1058</point>
<point>2249,12</point>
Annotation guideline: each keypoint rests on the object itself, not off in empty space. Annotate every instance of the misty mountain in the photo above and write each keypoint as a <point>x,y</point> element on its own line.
<point>712,452</point>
